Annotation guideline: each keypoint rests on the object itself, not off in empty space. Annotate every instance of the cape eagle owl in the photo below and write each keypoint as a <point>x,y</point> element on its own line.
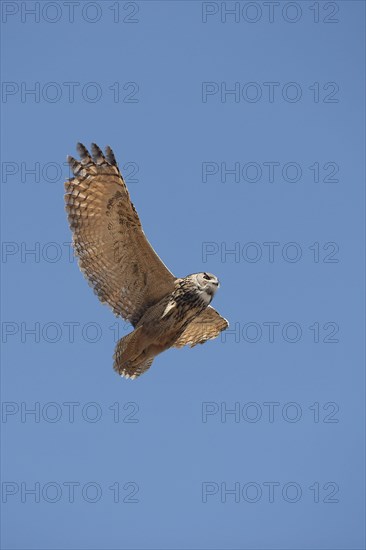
<point>125,271</point>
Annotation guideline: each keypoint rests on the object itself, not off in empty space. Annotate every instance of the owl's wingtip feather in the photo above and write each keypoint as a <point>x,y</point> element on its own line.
<point>110,156</point>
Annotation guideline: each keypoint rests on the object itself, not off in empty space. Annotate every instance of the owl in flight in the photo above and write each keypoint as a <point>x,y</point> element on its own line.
<point>125,271</point>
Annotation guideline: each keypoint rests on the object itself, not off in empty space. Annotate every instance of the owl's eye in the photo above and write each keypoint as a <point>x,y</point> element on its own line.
<point>205,276</point>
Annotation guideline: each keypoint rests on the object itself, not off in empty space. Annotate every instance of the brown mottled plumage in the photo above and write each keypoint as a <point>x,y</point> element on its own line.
<point>125,271</point>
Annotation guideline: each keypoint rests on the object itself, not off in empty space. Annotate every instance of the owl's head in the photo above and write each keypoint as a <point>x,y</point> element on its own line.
<point>206,283</point>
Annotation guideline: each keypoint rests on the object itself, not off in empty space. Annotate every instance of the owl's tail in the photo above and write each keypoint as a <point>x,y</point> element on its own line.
<point>130,359</point>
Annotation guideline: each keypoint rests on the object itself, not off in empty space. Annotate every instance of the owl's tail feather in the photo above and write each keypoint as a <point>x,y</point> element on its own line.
<point>130,358</point>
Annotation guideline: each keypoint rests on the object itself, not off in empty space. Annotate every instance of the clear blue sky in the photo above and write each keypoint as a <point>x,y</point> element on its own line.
<point>241,136</point>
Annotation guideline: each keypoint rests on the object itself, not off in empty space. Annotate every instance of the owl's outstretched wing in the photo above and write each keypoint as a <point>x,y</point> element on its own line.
<point>114,253</point>
<point>205,326</point>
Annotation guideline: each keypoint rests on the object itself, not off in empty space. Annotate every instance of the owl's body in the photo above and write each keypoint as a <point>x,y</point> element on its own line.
<point>125,271</point>
<point>160,327</point>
